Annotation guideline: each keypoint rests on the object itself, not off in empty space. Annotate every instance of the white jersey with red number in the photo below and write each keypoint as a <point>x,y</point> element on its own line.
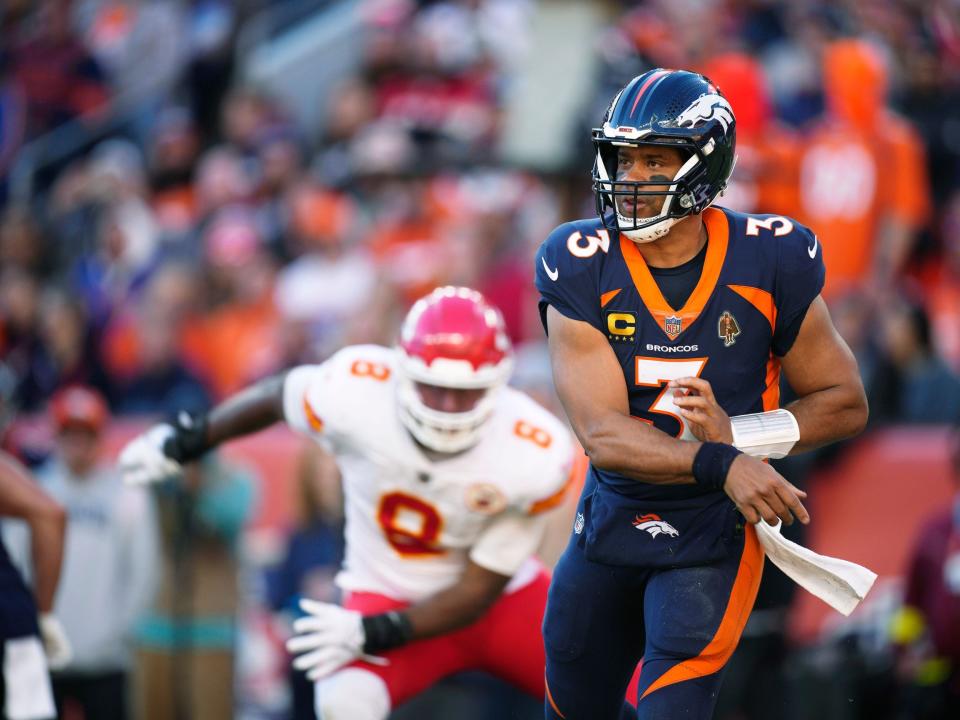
<point>412,521</point>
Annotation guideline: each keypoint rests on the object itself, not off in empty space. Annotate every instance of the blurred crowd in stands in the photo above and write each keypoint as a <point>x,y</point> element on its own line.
<point>211,240</point>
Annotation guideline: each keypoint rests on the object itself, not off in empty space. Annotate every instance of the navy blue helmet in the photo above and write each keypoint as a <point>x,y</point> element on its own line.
<point>673,108</point>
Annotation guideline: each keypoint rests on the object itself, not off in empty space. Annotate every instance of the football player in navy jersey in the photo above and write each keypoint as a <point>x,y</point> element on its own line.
<point>669,324</point>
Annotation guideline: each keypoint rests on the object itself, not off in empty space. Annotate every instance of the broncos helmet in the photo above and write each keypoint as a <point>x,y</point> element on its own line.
<point>673,108</point>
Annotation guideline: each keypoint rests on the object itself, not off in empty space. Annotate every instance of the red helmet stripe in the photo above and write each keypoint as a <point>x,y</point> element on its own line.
<point>643,88</point>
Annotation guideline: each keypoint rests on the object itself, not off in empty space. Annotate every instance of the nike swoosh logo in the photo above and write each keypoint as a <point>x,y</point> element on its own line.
<point>554,274</point>
<point>812,251</point>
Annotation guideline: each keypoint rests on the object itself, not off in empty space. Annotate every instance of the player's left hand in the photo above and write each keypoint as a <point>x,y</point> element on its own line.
<point>698,407</point>
<point>328,638</point>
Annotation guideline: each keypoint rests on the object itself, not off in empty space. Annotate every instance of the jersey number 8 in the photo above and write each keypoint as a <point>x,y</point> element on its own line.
<point>411,525</point>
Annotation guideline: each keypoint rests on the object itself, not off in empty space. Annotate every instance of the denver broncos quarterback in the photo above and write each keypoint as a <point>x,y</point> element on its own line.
<point>447,476</point>
<point>669,323</point>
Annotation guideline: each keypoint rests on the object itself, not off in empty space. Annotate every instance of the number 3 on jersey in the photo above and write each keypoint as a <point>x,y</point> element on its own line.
<point>654,372</point>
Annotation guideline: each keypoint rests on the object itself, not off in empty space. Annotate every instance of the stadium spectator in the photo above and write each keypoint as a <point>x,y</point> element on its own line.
<point>110,558</point>
<point>142,46</point>
<point>240,281</point>
<point>332,280</point>
<point>172,156</point>
<point>13,121</point>
<point>767,172</point>
<point>912,384</point>
<point>22,244</point>
<point>162,382</point>
<point>926,630</point>
<point>187,642</point>
<point>312,557</point>
<point>942,286</point>
<point>61,80</point>
<point>863,181</point>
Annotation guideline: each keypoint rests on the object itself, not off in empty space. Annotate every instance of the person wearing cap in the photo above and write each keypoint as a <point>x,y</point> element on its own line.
<point>110,557</point>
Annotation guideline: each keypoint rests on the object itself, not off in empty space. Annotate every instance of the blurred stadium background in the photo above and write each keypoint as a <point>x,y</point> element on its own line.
<point>198,193</point>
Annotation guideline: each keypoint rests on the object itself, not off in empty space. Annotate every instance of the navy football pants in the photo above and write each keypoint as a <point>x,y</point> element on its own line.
<point>684,622</point>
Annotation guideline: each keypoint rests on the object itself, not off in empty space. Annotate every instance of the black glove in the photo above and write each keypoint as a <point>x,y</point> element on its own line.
<point>189,439</point>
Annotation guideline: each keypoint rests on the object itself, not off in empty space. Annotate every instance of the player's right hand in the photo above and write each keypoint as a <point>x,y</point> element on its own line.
<point>143,459</point>
<point>760,492</point>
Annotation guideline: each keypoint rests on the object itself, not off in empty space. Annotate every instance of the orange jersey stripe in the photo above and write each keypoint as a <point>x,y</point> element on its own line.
<point>546,685</point>
<point>771,395</point>
<point>724,642</point>
<point>608,296</point>
<point>760,299</point>
<point>718,239</point>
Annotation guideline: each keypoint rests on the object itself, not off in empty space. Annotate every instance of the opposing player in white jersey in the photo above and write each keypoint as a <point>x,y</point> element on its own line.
<point>447,473</point>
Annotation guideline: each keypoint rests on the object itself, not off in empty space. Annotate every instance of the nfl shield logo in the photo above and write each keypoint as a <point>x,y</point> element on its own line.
<point>673,326</point>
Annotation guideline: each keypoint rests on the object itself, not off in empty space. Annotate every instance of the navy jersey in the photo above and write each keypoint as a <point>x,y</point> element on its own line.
<point>760,274</point>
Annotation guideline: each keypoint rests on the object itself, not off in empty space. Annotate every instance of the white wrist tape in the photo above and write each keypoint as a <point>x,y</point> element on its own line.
<point>769,434</point>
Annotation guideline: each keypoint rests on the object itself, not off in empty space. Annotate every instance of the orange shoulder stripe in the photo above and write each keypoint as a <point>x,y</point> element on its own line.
<point>715,655</point>
<point>760,299</point>
<point>608,296</point>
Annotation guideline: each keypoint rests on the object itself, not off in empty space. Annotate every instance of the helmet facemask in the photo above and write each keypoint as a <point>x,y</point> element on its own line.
<point>678,200</point>
<point>439,430</point>
<point>667,108</point>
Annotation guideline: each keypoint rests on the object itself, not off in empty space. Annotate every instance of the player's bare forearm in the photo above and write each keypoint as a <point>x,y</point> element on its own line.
<point>252,409</point>
<point>823,372</point>
<point>47,531</point>
<point>590,385</point>
<point>459,605</point>
<point>20,497</point>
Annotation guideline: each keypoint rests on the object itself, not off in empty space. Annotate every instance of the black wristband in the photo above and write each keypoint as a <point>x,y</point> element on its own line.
<point>712,463</point>
<point>385,631</point>
<point>189,440</point>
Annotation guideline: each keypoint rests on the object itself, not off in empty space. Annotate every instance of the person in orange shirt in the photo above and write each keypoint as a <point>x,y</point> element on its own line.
<point>863,180</point>
<point>765,178</point>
